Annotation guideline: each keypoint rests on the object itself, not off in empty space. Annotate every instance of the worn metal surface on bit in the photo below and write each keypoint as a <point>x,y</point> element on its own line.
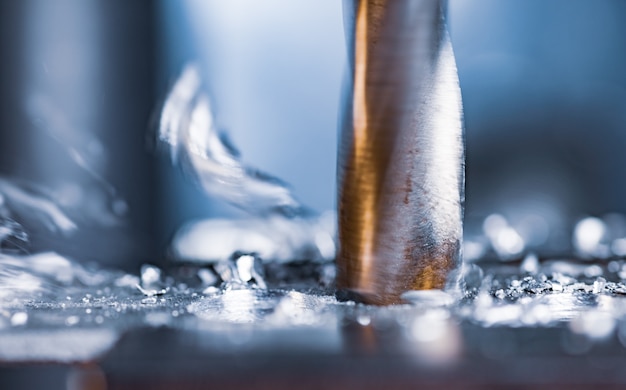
<point>401,157</point>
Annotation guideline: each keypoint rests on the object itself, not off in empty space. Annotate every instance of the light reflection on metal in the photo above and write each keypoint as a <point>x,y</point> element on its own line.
<point>400,172</point>
<point>188,130</point>
<point>273,239</point>
<point>505,240</point>
<point>35,207</point>
<point>436,338</point>
<point>589,234</point>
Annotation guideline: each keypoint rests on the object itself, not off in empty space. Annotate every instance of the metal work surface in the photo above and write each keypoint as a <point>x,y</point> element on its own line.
<point>525,323</point>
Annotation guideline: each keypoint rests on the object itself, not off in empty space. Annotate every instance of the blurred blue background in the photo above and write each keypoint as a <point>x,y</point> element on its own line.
<point>543,85</point>
<point>542,82</point>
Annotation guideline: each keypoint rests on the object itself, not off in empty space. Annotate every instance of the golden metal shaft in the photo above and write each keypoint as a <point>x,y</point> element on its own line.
<point>401,155</point>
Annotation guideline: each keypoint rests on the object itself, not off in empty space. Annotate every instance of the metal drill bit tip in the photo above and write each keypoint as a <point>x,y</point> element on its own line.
<point>401,170</point>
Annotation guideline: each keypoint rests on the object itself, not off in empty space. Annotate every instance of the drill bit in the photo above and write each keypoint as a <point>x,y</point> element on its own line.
<point>401,154</point>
